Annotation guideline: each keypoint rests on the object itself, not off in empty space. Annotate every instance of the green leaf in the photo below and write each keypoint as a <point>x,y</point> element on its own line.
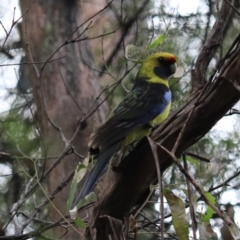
<point>79,174</point>
<point>206,232</point>
<point>157,41</point>
<point>91,197</point>
<point>73,189</point>
<point>208,215</point>
<point>210,211</point>
<point>190,160</point>
<point>179,218</point>
<point>80,223</point>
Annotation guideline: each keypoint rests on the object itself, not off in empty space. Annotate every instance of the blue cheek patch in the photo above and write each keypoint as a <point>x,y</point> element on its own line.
<point>162,71</point>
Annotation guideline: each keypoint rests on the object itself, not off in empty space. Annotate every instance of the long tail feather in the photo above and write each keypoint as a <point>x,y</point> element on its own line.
<point>97,171</point>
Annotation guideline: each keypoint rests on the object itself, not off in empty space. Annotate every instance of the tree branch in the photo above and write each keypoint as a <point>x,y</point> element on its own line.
<point>212,42</point>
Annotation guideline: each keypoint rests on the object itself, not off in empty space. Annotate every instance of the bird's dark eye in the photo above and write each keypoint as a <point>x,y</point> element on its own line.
<point>161,59</point>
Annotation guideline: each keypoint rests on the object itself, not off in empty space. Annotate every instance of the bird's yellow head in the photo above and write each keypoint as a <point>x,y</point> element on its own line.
<point>157,68</point>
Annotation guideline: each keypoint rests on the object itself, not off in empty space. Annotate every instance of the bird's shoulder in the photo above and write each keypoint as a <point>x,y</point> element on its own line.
<point>143,96</point>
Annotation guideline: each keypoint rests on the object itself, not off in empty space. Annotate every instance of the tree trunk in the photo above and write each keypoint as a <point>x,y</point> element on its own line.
<point>46,26</point>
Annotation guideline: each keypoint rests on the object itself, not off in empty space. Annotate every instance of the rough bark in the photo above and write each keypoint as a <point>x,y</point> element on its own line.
<point>212,43</point>
<point>46,26</point>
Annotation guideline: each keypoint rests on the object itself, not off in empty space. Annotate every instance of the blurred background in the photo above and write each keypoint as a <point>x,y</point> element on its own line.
<point>44,77</point>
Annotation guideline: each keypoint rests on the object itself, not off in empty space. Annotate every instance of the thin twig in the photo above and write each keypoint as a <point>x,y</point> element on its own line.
<point>114,85</point>
<point>49,200</point>
<point>233,7</point>
<point>144,204</point>
<point>69,92</point>
<point>188,118</point>
<point>213,41</point>
<point>69,38</point>
<point>224,217</point>
<point>225,182</point>
<point>161,210</point>
<point>30,63</point>
<point>198,157</point>
<point>234,83</point>
<point>30,189</point>
<point>14,22</point>
<point>191,207</point>
<point>15,207</point>
<point>3,28</point>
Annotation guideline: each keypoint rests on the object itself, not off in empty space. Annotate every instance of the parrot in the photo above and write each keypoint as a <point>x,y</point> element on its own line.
<point>146,106</point>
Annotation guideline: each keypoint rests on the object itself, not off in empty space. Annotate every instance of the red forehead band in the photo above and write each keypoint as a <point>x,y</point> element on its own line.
<point>172,59</point>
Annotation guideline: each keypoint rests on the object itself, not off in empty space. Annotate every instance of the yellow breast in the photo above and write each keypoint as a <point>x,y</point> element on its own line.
<point>161,117</point>
<point>143,131</point>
